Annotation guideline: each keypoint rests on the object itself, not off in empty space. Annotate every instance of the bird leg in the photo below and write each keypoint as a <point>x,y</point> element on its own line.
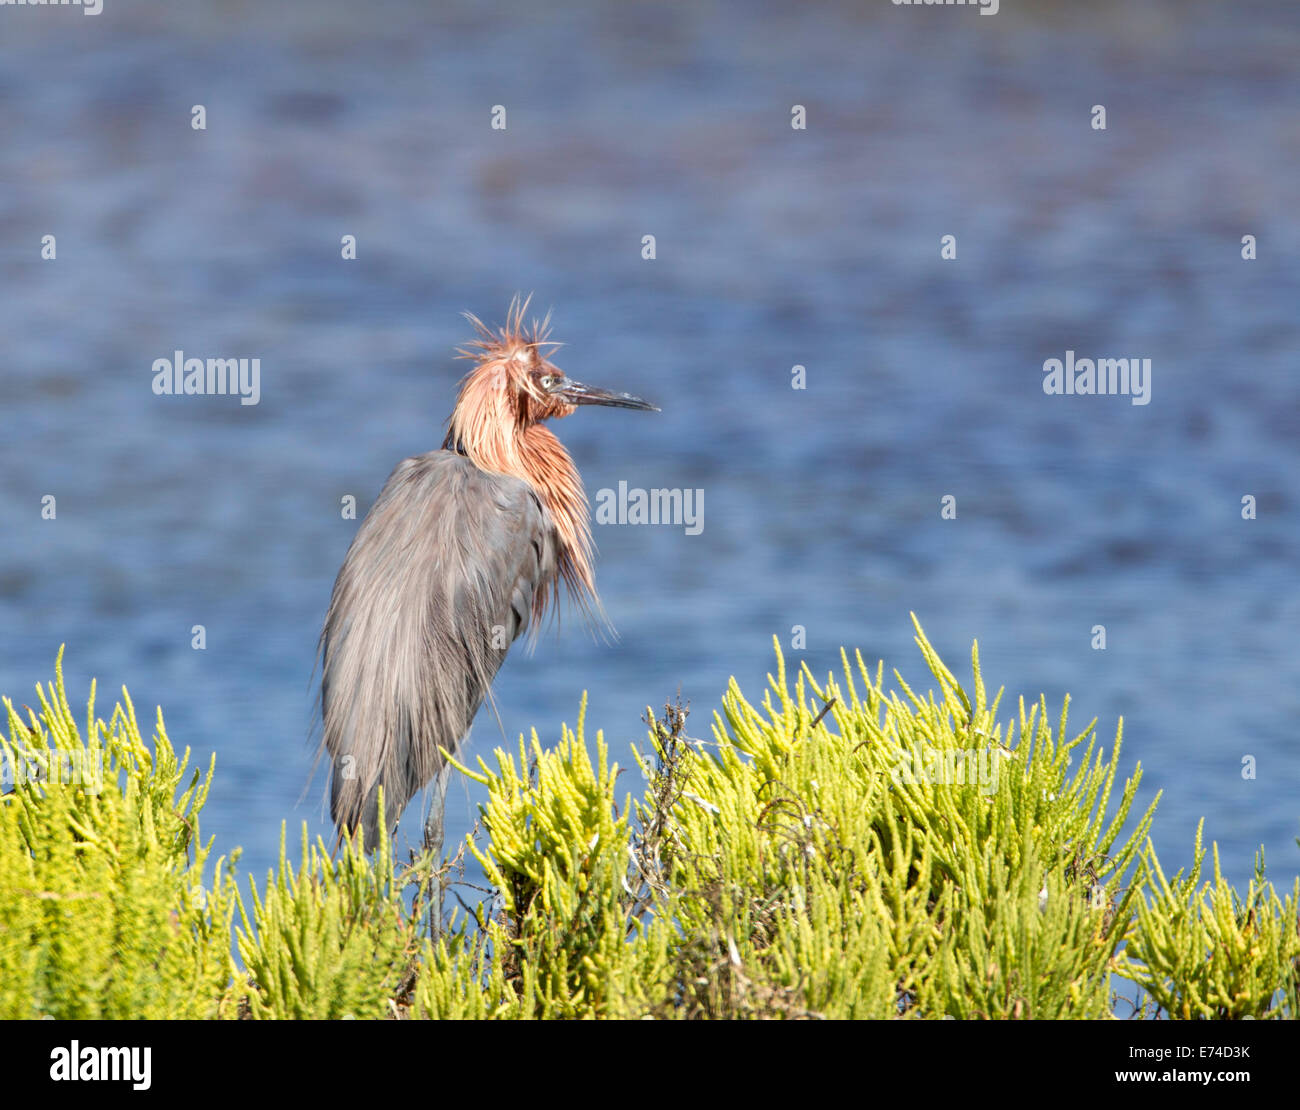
<point>433,839</point>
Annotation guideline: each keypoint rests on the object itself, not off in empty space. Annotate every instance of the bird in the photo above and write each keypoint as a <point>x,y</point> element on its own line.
<point>463,551</point>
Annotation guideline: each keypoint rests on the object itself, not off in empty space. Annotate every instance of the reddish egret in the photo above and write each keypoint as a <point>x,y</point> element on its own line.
<point>463,549</point>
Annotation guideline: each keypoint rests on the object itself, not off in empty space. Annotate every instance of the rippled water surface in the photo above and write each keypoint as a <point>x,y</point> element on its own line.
<point>775,247</point>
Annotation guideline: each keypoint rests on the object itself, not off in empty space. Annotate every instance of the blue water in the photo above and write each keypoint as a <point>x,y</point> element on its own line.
<point>775,247</point>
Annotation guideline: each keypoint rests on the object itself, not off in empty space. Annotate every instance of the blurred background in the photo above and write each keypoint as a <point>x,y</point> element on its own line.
<point>775,247</point>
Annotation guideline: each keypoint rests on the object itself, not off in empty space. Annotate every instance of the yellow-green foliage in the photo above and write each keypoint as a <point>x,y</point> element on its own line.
<point>791,870</point>
<point>104,911</point>
<point>843,885</point>
<point>838,851</point>
<point>1213,954</point>
<point>331,940</point>
<point>558,856</point>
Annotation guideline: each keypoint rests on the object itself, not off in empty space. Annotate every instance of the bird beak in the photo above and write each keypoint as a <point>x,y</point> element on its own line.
<point>575,393</point>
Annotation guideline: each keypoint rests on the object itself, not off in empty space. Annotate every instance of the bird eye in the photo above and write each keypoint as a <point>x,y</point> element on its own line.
<point>549,380</point>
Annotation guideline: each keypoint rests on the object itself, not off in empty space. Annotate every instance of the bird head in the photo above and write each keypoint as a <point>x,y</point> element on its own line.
<point>513,365</point>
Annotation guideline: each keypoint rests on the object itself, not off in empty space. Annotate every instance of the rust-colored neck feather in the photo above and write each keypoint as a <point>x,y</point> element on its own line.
<point>497,425</point>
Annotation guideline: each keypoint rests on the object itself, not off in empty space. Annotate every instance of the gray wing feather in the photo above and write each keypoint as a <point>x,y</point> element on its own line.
<point>437,584</point>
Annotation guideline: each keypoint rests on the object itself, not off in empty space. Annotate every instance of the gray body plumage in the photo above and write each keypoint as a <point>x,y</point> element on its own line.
<point>437,584</point>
